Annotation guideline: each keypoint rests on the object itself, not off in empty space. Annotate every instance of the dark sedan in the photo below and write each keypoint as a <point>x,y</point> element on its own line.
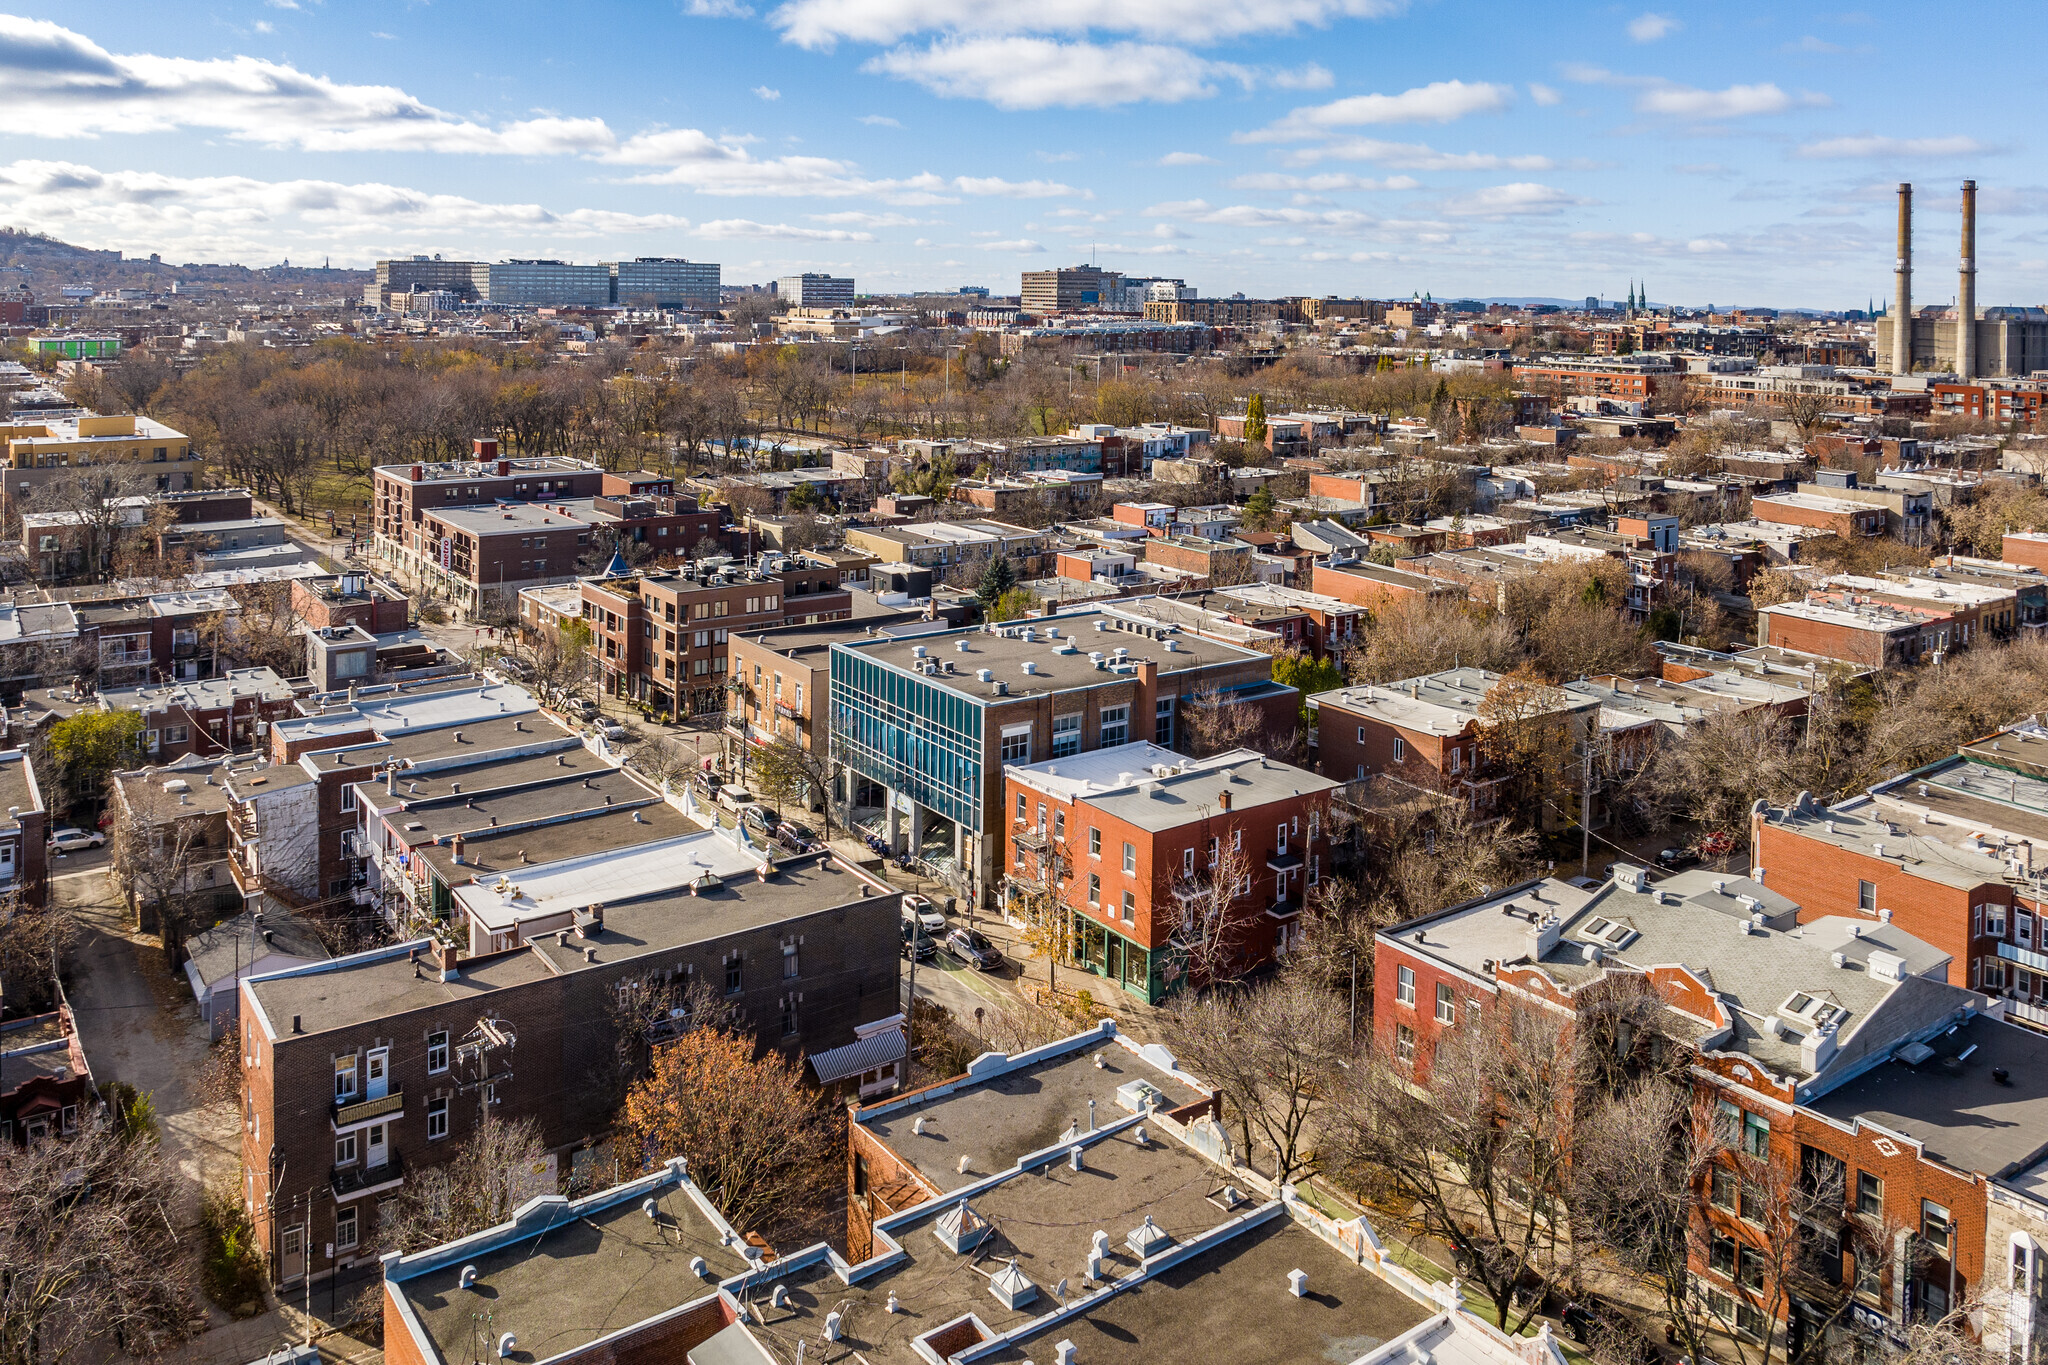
<point>917,944</point>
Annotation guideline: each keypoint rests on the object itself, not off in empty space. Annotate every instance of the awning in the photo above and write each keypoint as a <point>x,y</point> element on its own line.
<point>859,1057</point>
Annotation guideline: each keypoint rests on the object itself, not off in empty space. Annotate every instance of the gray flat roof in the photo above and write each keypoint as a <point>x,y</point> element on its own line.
<point>356,990</point>
<point>1006,652</point>
<point>585,1277</point>
<point>1954,1107</point>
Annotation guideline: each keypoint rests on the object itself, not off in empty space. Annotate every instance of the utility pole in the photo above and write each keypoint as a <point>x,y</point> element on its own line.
<point>1586,812</point>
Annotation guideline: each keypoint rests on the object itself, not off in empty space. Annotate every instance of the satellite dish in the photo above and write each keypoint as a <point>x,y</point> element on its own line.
<point>1059,1291</point>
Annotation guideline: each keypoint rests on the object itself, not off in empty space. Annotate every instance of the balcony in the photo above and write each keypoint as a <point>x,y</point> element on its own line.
<point>1284,862</point>
<point>1031,838</point>
<point>1284,909</point>
<point>348,1114</point>
<point>787,712</point>
<point>350,1182</point>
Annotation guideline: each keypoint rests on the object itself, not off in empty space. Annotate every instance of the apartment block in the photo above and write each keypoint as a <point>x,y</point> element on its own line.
<point>664,282</point>
<point>664,637</point>
<point>927,723</point>
<point>1132,840</point>
<point>811,290</point>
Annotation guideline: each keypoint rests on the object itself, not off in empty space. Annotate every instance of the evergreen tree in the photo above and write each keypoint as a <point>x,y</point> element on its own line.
<point>997,579</point>
<point>1255,421</point>
<point>1259,509</point>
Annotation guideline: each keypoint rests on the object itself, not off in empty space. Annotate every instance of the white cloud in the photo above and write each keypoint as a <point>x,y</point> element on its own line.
<point>821,23</point>
<point>1188,159</point>
<point>1737,101</point>
<point>987,186</point>
<point>716,9</point>
<point>264,26</point>
<point>1544,95</point>
<point>1417,156</point>
<point>731,229</point>
<point>859,218</point>
<point>1329,183</point>
<point>1648,28</point>
<point>1054,158</point>
<point>879,121</point>
<point>1660,96</point>
<point>767,92</point>
<point>1168,231</point>
<point>226,217</point>
<point>1041,73</point>
<point>1254,216</point>
<point>1521,199</point>
<point>64,85</point>
<point>1314,76</point>
<point>1437,102</point>
<point>1890,148</point>
<point>1021,246</point>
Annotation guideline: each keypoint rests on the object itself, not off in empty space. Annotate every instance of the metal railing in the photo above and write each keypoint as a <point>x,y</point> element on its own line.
<point>356,1111</point>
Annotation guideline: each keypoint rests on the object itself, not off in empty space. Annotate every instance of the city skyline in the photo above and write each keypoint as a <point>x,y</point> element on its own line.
<point>1311,146</point>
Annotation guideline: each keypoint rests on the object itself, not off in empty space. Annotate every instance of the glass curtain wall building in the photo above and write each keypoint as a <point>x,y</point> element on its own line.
<point>914,737</point>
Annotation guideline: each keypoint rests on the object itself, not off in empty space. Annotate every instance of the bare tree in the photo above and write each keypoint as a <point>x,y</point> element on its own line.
<point>88,1253</point>
<point>154,839</point>
<point>1413,637</point>
<point>1212,724</point>
<point>789,771</point>
<point>479,1187</point>
<point>1275,1052</point>
<point>32,941</point>
<point>559,660</point>
<point>1213,923</point>
<point>1473,1134</point>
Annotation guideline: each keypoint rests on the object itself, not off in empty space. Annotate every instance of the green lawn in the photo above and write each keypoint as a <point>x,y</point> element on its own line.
<point>341,494</point>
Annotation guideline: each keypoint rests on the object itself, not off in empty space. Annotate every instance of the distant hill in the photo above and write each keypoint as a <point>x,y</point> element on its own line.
<point>45,264</point>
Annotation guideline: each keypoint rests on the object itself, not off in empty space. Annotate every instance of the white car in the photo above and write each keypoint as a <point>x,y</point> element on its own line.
<point>921,911</point>
<point>69,838</point>
<point>611,730</point>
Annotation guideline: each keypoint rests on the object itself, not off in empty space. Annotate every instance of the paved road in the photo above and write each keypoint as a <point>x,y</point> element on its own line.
<point>139,1024</point>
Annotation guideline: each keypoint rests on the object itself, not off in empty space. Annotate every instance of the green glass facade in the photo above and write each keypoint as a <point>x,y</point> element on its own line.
<point>908,734</point>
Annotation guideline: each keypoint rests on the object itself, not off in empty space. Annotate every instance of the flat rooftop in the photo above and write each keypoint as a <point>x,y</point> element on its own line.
<point>355,990</point>
<point>562,1277</point>
<point>1954,1106</point>
<point>523,518</point>
<point>1127,782</point>
<point>1061,661</point>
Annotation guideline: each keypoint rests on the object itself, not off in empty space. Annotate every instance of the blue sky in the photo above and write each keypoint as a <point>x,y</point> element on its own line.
<point>1727,153</point>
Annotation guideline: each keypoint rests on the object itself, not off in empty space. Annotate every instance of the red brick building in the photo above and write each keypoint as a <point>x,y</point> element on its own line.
<point>356,599</point>
<point>1131,841</point>
<point>1374,586</point>
<point>1849,520</point>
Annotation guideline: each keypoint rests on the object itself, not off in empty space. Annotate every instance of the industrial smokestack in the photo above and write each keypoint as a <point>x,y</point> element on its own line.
<point>1902,288</point>
<point>1966,288</point>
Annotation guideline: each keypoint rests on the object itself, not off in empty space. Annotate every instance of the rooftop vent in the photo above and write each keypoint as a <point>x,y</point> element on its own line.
<point>1148,1239</point>
<point>960,1229</point>
<point>1012,1287</point>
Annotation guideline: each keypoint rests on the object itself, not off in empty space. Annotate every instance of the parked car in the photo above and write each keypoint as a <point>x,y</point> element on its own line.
<point>1676,858</point>
<point>733,796</point>
<point>926,915</point>
<point>758,818</point>
<point>71,838</point>
<point>795,837</point>
<point>917,944</point>
<point>611,730</point>
<point>709,782</point>
<point>974,950</point>
<point>1610,1332</point>
<point>585,707</point>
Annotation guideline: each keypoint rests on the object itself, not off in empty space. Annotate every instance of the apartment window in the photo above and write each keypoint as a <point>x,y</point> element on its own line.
<point>1094,842</point>
<point>732,977</point>
<point>1162,726</point>
<point>344,1229</point>
<point>1213,847</point>
<point>1400,748</point>
<point>700,639</point>
<point>1315,825</point>
<point>1059,824</point>
<point>1404,985</point>
<point>1750,1269</point>
<point>1446,1005</point>
<point>1237,840</point>
<point>437,1120</point>
<point>2023,928</point>
<point>789,962</point>
<point>1116,726</point>
<point>1457,758</point>
<point>348,796</point>
<point>1756,1134</point>
<point>1994,920</point>
<point>1130,858</point>
<point>1404,1042</point>
<point>789,1016</point>
<point>1016,743</point>
<point>1130,907</point>
<point>1935,1227</point>
<point>1866,897</point>
<point>1020,808</point>
<point>1869,1195</point>
<point>1721,1256</point>
<point>345,1150</point>
<point>345,1077</point>
<point>1187,862</point>
<point>1315,869</point>
<point>1094,889</point>
<point>1755,1208</point>
<point>1066,735</point>
<point>1280,840</point>
<point>1721,1189</point>
<point>1361,734</point>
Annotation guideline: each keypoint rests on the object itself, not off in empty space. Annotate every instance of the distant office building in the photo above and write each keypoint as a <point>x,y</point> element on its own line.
<point>815,291</point>
<point>548,283</point>
<point>1062,290</point>
<point>422,273</point>
<point>666,282</point>
<point>975,291</point>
